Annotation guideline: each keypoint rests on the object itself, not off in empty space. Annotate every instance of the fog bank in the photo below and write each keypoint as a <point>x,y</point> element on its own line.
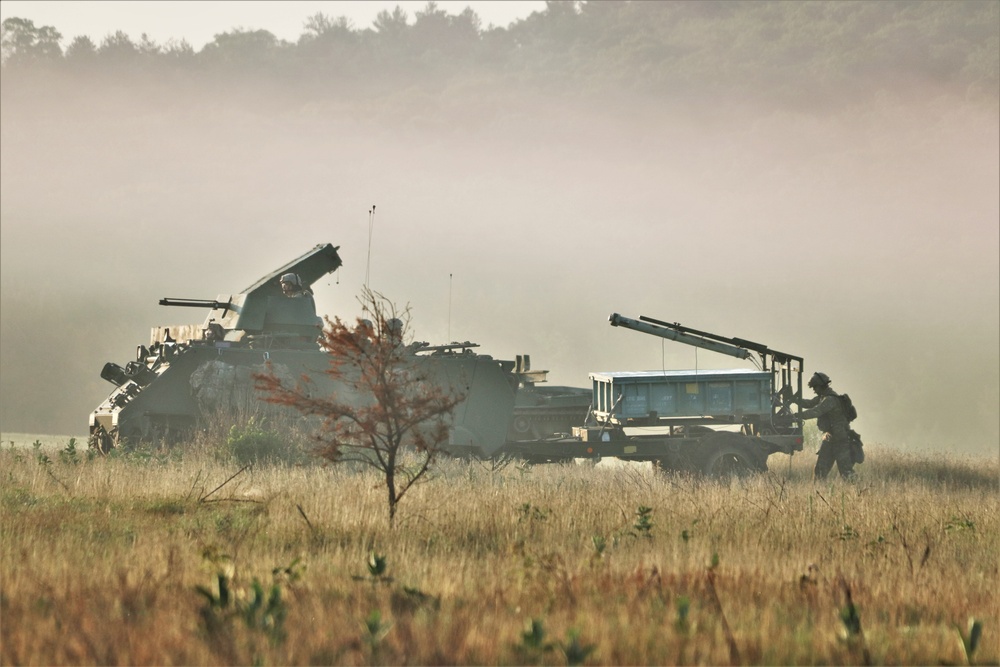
<point>865,240</point>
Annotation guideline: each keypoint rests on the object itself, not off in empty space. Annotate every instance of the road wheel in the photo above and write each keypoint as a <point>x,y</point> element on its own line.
<point>731,455</point>
<point>103,441</point>
<point>522,428</point>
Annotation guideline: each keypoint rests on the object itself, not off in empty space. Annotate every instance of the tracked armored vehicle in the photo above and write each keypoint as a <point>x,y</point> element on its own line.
<point>189,372</point>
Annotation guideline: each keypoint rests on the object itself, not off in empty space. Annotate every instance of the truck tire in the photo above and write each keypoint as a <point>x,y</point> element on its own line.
<point>731,455</point>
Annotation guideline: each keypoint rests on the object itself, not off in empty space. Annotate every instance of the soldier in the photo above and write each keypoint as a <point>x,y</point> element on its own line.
<point>827,410</point>
<point>291,286</point>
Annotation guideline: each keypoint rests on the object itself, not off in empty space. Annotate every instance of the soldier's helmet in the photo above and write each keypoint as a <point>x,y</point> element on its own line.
<point>819,380</point>
<point>292,279</point>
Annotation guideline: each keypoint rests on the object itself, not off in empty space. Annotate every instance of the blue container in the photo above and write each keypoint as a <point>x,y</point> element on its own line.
<point>644,395</point>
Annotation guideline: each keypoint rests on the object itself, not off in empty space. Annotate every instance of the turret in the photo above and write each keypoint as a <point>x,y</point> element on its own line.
<point>264,308</point>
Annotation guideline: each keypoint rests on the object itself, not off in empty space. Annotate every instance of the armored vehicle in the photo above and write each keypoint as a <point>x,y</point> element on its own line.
<point>189,372</point>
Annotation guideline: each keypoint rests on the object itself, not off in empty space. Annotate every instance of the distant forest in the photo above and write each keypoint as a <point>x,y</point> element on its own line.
<point>796,52</point>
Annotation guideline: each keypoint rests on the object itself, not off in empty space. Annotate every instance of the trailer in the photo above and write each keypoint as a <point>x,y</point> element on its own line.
<point>715,422</point>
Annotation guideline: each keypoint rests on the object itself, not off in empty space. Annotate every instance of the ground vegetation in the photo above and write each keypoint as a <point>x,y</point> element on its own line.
<point>156,557</point>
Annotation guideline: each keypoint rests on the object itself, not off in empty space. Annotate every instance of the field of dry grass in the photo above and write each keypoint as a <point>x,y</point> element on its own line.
<point>141,559</point>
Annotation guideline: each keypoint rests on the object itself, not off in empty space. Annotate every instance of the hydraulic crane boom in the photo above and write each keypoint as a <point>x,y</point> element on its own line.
<point>672,333</point>
<point>734,347</point>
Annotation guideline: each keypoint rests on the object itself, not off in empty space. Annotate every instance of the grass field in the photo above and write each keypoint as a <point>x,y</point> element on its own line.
<point>154,558</point>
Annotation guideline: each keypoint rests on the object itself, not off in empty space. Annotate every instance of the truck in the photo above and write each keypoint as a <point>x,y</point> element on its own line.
<point>713,422</point>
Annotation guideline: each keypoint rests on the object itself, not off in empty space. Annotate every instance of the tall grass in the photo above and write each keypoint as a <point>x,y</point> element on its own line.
<point>155,558</point>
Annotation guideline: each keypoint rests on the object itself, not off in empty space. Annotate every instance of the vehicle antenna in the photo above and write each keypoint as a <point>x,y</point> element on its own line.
<point>449,307</point>
<point>371,225</point>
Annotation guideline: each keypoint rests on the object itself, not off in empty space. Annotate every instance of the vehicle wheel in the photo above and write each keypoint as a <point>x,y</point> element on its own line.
<point>103,441</point>
<point>522,427</point>
<point>731,456</point>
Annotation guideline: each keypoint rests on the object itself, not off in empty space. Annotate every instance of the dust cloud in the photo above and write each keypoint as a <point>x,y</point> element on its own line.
<point>865,240</point>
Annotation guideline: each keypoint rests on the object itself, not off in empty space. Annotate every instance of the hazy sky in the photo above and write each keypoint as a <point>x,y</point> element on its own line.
<point>199,22</point>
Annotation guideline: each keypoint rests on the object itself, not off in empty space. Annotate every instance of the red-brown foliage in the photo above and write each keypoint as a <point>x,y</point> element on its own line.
<point>385,412</point>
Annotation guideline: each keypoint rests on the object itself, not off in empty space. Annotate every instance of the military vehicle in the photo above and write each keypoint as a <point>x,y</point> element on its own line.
<point>717,422</point>
<point>189,372</point>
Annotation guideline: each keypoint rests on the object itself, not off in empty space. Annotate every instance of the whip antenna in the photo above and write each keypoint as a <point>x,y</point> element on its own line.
<point>371,226</point>
<point>449,307</point>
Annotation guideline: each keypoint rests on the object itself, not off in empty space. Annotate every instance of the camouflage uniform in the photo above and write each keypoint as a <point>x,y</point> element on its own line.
<point>826,409</point>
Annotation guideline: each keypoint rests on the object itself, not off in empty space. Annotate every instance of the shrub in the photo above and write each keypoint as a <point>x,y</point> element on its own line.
<point>253,443</point>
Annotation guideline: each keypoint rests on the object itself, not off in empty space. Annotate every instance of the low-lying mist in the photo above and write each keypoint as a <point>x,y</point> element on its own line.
<point>865,240</point>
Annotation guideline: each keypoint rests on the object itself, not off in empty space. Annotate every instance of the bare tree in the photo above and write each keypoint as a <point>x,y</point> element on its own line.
<point>387,411</point>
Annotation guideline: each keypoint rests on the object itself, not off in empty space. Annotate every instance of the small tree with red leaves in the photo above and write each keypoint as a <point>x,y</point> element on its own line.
<point>387,412</point>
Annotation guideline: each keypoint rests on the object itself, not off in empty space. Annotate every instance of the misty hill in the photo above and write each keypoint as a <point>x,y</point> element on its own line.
<point>809,54</point>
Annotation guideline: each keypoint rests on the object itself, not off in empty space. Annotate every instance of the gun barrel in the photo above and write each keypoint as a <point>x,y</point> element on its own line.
<point>194,303</point>
<point>617,320</point>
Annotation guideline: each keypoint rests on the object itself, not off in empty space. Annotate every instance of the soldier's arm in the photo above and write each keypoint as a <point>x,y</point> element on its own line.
<point>825,405</point>
<point>807,402</point>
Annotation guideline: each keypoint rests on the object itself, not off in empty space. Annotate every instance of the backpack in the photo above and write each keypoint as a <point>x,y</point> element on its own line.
<point>857,447</point>
<point>850,412</point>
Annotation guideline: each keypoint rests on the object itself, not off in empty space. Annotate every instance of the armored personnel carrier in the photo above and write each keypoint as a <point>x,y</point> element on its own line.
<point>189,372</point>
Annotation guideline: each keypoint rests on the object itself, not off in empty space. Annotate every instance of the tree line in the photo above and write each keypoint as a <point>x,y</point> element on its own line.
<point>657,48</point>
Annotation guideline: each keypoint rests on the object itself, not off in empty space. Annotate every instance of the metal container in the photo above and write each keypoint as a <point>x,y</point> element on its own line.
<point>658,395</point>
